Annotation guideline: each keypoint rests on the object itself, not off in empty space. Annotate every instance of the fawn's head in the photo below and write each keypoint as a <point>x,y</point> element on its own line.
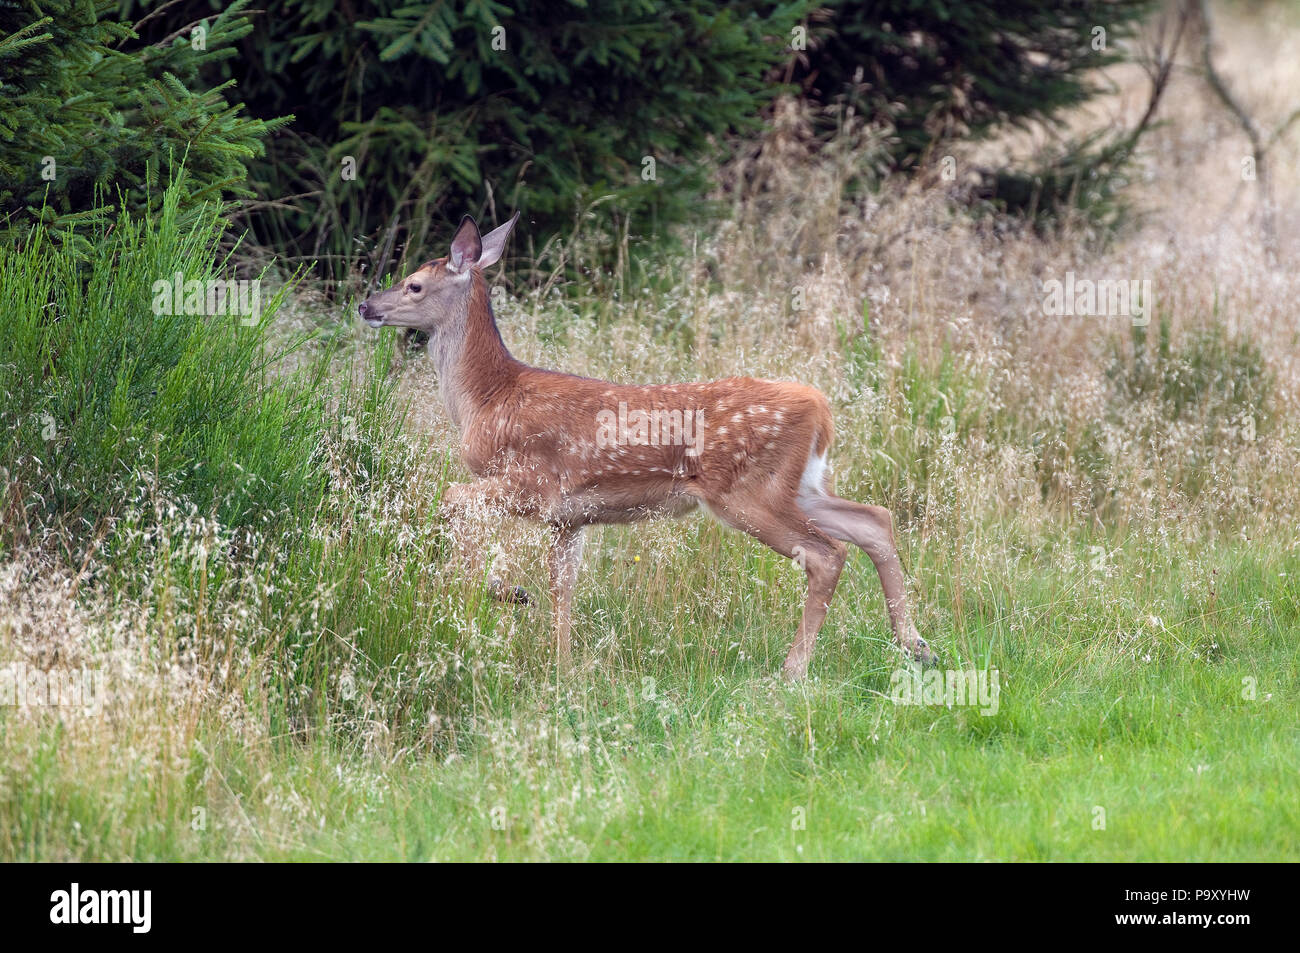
<point>438,291</point>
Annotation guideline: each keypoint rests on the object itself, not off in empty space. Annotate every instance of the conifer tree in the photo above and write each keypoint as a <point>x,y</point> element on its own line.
<point>938,70</point>
<point>87,109</point>
<point>407,115</point>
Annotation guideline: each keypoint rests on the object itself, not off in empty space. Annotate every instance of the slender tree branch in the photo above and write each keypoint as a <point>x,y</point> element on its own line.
<point>1260,141</point>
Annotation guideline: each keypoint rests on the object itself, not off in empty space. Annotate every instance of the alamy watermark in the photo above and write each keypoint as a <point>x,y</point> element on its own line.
<point>650,428</point>
<point>26,686</point>
<point>1107,297</point>
<point>75,905</point>
<point>242,297</point>
<point>946,688</point>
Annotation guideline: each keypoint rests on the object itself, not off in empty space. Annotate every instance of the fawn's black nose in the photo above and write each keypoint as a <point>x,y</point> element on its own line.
<point>370,315</point>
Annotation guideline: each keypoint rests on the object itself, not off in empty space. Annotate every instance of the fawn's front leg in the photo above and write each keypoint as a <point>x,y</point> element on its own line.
<point>460,500</point>
<point>564,559</point>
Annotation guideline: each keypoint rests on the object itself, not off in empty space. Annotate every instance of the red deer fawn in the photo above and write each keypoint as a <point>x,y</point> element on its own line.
<point>573,452</point>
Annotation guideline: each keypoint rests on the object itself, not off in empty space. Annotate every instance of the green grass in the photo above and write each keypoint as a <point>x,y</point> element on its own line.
<point>672,741</point>
<point>721,761</point>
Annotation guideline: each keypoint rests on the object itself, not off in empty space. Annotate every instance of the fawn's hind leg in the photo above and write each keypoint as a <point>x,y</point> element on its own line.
<point>871,529</point>
<point>789,532</point>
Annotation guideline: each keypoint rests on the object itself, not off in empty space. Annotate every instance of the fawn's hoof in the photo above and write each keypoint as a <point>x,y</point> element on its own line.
<point>920,651</point>
<point>794,670</point>
<point>516,595</point>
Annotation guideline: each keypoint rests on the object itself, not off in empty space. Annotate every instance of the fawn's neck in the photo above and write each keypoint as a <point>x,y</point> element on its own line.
<point>472,360</point>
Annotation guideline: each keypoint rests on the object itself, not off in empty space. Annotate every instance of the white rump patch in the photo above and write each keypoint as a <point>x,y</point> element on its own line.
<point>813,482</point>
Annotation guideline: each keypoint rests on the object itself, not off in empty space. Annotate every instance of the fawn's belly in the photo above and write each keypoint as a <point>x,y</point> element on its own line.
<point>594,506</point>
<point>579,484</point>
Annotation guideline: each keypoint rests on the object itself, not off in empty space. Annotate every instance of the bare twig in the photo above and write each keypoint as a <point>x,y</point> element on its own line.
<point>1260,140</point>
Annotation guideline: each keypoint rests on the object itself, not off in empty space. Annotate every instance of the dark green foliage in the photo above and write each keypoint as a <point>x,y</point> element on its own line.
<point>1084,180</point>
<point>410,114</point>
<point>940,70</point>
<point>82,100</point>
<point>440,122</point>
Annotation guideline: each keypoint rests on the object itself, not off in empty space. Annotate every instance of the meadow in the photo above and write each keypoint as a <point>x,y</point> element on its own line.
<point>297,663</point>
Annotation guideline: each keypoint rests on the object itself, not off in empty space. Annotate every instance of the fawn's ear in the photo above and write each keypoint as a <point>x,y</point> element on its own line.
<point>494,242</point>
<point>466,246</point>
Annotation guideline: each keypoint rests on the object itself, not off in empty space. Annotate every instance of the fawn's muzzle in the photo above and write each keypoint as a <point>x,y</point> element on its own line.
<point>370,315</point>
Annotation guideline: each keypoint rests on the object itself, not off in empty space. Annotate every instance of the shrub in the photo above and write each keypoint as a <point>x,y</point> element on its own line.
<point>939,73</point>
<point>110,405</point>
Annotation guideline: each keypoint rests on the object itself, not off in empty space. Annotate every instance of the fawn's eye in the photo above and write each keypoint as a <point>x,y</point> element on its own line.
<point>414,288</point>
